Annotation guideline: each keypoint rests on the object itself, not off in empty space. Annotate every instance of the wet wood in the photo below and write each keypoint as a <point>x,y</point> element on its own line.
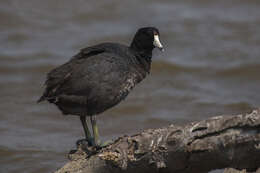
<point>198,147</point>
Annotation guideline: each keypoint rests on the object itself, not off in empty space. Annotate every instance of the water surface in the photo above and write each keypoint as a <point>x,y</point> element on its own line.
<point>211,66</point>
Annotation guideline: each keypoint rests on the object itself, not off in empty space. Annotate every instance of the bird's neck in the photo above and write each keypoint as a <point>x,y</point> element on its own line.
<point>145,63</point>
<point>141,49</point>
<point>144,59</point>
<point>143,54</point>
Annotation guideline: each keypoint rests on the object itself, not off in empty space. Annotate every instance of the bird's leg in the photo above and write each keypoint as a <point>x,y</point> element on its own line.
<point>86,130</point>
<point>95,130</point>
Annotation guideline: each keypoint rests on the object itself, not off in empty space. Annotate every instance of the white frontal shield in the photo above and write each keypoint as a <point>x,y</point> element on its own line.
<point>157,43</point>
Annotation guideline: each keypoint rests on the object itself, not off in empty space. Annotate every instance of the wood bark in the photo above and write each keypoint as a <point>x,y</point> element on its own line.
<point>198,147</point>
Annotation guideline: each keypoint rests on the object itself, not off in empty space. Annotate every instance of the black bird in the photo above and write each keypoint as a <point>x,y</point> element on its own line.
<point>99,77</point>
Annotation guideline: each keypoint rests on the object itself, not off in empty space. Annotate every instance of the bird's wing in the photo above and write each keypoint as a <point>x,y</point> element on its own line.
<point>60,75</point>
<point>99,73</point>
<point>90,51</point>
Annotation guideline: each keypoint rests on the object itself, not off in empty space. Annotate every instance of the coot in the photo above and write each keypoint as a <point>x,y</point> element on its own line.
<point>99,77</point>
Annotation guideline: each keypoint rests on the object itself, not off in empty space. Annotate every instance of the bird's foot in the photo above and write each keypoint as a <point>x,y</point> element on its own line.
<point>105,143</point>
<point>84,149</point>
<point>99,144</point>
<point>91,146</point>
<point>85,144</point>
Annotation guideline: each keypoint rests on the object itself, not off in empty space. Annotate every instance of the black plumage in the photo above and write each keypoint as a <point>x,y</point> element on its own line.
<point>100,76</point>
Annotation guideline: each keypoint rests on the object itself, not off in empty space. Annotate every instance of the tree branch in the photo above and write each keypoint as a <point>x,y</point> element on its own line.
<point>198,147</point>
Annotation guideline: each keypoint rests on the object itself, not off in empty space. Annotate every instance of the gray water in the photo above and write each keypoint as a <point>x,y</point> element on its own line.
<point>211,66</point>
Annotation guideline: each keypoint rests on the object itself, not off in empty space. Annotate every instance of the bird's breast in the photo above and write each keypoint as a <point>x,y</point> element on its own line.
<point>129,84</point>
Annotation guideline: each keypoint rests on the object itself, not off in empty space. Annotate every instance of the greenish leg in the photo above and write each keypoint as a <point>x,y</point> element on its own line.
<point>95,130</point>
<point>86,130</point>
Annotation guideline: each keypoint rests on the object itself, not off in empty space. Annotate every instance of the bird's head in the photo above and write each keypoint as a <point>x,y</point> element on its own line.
<point>146,39</point>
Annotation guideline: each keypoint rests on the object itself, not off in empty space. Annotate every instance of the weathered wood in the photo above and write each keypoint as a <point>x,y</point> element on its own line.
<point>198,147</point>
<point>232,170</point>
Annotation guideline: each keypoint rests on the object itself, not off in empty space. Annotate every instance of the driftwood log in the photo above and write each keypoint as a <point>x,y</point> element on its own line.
<point>231,170</point>
<point>198,147</point>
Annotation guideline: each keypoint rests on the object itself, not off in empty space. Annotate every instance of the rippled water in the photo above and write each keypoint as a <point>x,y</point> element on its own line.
<point>211,66</point>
